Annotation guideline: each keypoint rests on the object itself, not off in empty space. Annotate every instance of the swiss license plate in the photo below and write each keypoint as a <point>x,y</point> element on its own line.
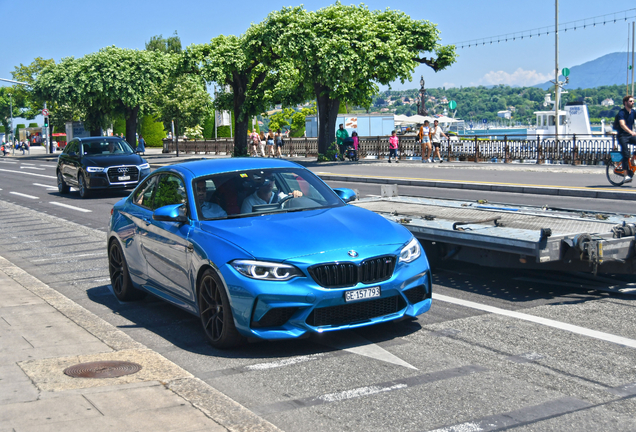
<point>122,178</point>
<point>362,294</point>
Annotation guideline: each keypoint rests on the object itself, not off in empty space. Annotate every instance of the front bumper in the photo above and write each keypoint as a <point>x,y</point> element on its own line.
<point>101,180</point>
<point>283,310</point>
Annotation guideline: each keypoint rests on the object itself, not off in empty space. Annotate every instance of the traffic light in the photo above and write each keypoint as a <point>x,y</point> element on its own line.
<point>46,122</point>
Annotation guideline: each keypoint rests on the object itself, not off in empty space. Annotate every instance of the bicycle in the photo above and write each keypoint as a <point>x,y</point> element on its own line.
<point>615,172</point>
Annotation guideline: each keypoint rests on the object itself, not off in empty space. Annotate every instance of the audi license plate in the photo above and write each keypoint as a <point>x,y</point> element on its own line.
<point>362,294</point>
<point>122,178</point>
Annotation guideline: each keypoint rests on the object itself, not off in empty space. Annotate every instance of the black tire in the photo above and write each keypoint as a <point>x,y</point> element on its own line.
<point>612,176</point>
<point>119,275</point>
<point>84,192</point>
<point>62,187</point>
<point>216,313</point>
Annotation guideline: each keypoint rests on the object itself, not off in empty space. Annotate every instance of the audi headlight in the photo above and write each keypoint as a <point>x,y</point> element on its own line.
<point>94,169</point>
<point>411,251</point>
<point>144,166</point>
<point>263,270</point>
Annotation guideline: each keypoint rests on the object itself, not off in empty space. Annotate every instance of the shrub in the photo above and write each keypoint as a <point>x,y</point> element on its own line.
<point>152,131</point>
<point>33,125</point>
<point>332,151</point>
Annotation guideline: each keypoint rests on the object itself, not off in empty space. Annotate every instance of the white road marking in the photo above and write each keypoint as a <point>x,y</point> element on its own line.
<point>48,166</point>
<point>32,167</point>
<point>464,427</point>
<point>58,256</point>
<point>7,162</point>
<point>46,186</point>
<point>285,362</point>
<point>24,195</point>
<point>631,343</point>
<point>29,173</point>
<point>359,392</point>
<point>70,207</point>
<point>352,342</point>
<point>26,163</point>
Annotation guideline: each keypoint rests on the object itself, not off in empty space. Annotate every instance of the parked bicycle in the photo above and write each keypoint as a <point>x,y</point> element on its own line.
<point>615,172</point>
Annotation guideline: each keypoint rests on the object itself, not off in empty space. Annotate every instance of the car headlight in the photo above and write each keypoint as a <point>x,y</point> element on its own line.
<point>266,270</point>
<point>411,251</point>
<point>94,169</point>
<point>144,166</point>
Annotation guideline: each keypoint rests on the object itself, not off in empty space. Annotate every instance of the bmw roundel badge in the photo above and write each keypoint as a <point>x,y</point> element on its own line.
<point>352,253</point>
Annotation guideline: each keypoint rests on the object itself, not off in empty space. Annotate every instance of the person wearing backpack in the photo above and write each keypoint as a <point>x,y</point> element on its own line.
<point>624,125</point>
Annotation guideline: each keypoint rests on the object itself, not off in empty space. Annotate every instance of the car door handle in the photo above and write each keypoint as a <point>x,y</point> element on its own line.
<point>146,220</point>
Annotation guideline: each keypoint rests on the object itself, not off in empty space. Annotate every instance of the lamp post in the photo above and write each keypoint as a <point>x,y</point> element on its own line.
<point>11,129</point>
<point>421,108</point>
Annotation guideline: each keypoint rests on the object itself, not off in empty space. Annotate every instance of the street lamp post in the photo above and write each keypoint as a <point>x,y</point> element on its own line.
<point>11,129</point>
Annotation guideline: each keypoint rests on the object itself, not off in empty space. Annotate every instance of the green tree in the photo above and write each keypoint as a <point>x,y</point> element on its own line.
<point>23,96</point>
<point>343,52</point>
<point>183,99</point>
<point>298,120</point>
<point>252,77</point>
<point>281,119</point>
<point>171,45</point>
<point>106,83</point>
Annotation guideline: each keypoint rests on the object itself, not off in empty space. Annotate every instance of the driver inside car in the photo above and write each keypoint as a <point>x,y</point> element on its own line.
<point>264,194</point>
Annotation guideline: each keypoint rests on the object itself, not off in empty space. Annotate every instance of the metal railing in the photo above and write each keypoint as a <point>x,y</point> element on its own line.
<point>575,149</point>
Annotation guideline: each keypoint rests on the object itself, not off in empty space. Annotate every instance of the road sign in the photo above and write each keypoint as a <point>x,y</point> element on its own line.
<point>452,105</point>
<point>45,112</point>
<point>565,72</point>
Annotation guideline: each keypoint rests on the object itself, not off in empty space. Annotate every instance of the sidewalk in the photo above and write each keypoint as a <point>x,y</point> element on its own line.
<point>42,333</point>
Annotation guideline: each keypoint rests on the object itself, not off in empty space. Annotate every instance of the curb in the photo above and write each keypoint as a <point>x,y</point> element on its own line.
<point>214,404</point>
<point>493,187</point>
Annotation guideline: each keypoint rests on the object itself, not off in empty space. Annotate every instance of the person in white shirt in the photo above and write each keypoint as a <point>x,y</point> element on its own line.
<point>264,194</point>
<point>209,210</point>
<point>436,138</point>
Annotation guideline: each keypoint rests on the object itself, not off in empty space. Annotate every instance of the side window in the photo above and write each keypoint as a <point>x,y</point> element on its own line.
<point>143,194</point>
<point>170,190</point>
<point>71,147</point>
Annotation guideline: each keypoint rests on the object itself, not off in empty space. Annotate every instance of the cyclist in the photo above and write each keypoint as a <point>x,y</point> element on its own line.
<point>626,135</point>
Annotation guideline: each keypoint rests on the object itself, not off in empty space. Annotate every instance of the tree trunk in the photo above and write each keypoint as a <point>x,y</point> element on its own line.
<point>131,126</point>
<point>241,119</point>
<point>327,114</point>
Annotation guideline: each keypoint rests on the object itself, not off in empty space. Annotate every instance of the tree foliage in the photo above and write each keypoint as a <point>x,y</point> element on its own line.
<point>344,52</point>
<point>109,82</point>
<point>152,131</point>
<point>171,45</point>
<point>23,96</point>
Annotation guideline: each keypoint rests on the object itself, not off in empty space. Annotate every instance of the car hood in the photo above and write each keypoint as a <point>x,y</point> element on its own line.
<point>112,160</point>
<point>285,236</point>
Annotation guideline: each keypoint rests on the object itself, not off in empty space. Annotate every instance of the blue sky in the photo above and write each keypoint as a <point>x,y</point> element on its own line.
<point>61,28</point>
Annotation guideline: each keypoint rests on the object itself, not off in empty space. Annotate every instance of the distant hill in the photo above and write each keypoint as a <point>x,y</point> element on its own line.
<point>611,69</point>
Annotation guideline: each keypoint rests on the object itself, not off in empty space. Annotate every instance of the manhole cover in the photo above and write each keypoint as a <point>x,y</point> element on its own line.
<point>102,369</point>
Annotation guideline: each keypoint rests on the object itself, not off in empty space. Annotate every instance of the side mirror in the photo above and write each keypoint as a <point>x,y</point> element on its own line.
<point>345,194</point>
<point>171,213</point>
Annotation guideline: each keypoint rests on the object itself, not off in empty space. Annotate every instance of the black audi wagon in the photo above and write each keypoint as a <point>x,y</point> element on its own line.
<point>99,163</point>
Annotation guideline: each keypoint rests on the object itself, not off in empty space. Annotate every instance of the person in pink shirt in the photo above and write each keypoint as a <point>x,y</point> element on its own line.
<point>393,146</point>
<point>356,143</point>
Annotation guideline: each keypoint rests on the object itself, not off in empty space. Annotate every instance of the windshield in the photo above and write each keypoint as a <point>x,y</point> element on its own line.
<point>106,148</point>
<point>255,192</point>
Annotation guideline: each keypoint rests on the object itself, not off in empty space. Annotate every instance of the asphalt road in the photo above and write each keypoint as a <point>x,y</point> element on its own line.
<point>498,350</point>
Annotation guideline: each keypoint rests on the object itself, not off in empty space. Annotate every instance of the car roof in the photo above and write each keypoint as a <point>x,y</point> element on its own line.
<point>206,167</point>
<point>98,138</point>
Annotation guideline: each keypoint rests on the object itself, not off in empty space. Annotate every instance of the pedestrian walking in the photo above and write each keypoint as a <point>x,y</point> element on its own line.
<point>263,143</point>
<point>436,139</point>
<point>270,143</point>
<point>256,141</point>
<point>393,146</point>
<point>427,149</point>
<point>141,146</point>
<point>278,139</point>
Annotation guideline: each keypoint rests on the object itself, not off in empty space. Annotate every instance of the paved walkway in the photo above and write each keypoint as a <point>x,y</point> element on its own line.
<point>42,333</point>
